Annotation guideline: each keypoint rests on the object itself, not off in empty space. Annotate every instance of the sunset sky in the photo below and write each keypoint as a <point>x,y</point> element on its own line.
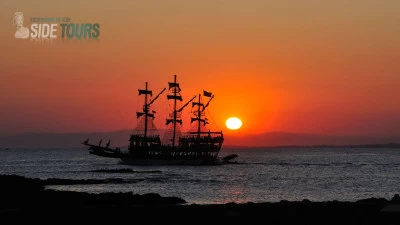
<point>312,66</point>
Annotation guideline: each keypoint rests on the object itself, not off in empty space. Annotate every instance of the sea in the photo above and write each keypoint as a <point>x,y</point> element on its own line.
<point>260,174</point>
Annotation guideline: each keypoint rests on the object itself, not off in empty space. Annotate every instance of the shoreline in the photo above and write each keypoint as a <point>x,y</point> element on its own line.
<point>28,196</point>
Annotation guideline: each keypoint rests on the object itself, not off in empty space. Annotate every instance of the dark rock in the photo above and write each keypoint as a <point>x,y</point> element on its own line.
<point>23,197</point>
<point>114,171</point>
<point>396,199</point>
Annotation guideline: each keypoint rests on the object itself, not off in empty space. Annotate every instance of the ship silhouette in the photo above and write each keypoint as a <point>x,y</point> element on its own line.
<point>195,147</point>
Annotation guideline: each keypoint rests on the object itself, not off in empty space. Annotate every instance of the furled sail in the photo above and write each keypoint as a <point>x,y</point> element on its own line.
<point>145,92</point>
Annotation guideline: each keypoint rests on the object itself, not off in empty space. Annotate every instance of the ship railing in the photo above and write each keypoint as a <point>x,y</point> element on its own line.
<point>201,139</point>
<point>153,138</point>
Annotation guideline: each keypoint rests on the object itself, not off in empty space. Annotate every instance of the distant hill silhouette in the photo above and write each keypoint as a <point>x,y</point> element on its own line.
<point>64,140</point>
<point>298,139</point>
<point>120,139</point>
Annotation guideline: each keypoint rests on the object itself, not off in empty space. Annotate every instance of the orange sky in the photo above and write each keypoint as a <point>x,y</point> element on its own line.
<point>327,67</point>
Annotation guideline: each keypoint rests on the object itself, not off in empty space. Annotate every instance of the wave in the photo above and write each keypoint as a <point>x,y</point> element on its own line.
<point>56,181</point>
<point>349,164</point>
<point>127,170</point>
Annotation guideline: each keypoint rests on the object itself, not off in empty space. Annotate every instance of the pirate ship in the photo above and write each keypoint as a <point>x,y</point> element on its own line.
<point>198,146</point>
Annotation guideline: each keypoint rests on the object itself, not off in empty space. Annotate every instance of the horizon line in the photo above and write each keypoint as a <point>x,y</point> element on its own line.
<point>246,134</point>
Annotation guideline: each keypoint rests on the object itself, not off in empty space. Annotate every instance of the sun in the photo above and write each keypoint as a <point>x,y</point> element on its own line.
<point>233,123</point>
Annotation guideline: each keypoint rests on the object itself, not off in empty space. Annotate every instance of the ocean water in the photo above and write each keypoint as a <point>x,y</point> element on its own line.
<point>262,174</point>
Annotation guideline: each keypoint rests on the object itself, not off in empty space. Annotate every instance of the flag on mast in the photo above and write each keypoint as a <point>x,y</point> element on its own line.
<point>207,94</point>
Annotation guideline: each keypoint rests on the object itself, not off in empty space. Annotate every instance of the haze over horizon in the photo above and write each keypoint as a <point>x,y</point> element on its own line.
<point>120,139</point>
<point>309,67</point>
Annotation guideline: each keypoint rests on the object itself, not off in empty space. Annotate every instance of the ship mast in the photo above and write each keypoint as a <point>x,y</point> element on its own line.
<point>176,96</point>
<point>174,133</point>
<point>199,113</point>
<point>198,117</point>
<point>146,107</point>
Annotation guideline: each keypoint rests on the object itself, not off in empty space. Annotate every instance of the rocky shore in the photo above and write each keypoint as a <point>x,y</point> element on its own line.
<point>25,199</point>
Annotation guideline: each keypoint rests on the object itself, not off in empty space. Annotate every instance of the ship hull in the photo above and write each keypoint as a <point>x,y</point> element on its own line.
<point>152,161</point>
<point>158,157</point>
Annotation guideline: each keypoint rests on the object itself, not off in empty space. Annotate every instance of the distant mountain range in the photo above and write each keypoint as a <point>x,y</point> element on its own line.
<point>298,139</point>
<point>121,139</point>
